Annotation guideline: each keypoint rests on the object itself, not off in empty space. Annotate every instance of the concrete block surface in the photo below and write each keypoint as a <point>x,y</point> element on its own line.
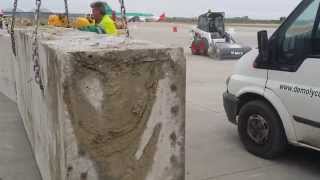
<point>111,109</point>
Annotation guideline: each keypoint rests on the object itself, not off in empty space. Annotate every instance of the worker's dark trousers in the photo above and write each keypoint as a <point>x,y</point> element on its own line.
<point>1,25</point>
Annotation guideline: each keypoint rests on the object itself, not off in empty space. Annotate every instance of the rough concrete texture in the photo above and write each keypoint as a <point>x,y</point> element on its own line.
<point>112,109</point>
<point>7,79</point>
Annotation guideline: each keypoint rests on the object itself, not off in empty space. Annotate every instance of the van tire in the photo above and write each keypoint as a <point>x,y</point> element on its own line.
<point>261,130</point>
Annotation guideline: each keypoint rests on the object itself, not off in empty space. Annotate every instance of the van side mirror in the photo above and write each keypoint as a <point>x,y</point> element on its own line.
<point>263,45</point>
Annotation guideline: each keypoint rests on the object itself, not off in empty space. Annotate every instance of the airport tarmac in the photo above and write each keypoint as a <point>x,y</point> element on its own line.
<point>213,149</point>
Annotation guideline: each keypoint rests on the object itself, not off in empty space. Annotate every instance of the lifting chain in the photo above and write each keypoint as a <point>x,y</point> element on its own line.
<point>123,17</point>
<point>66,12</point>
<point>14,12</point>
<point>35,47</point>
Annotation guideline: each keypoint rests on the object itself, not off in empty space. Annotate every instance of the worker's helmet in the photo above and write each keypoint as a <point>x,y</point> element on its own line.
<point>53,20</point>
<point>81,22</point>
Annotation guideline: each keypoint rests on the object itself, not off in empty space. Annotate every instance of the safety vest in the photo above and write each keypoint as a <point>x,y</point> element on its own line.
<point>108,25</point>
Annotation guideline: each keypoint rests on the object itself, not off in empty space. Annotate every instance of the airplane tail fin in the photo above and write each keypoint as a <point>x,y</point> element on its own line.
<point>162,17</point>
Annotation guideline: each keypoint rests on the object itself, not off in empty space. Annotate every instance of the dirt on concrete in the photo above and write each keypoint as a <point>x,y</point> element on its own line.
<point>110,97</point>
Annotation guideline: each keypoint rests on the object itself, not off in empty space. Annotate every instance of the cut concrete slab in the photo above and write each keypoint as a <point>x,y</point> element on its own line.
<point>111,109</point>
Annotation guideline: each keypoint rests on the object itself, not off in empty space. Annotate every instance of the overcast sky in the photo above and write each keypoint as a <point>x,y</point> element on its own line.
<point>262,9</point>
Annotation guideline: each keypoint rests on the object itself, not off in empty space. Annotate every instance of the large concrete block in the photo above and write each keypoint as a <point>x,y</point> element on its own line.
<point>112,109</point>
<point>7,79</point>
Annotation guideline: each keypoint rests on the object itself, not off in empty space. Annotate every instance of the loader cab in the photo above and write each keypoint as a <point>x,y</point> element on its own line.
<point>212,22</point>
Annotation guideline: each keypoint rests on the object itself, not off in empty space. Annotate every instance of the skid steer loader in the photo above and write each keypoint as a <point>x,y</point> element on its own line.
<point>210,38</point>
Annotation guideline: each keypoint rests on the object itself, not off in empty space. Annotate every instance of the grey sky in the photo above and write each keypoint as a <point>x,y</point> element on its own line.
<point>262,9</point>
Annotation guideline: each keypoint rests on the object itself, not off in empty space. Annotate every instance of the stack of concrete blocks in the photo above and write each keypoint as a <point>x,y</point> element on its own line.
<point>111,108</point>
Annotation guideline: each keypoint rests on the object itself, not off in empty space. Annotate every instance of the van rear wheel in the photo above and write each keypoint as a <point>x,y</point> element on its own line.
<point>261,131</point>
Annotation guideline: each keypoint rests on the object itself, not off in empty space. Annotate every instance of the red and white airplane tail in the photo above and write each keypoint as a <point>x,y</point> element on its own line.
<point>162,17</point>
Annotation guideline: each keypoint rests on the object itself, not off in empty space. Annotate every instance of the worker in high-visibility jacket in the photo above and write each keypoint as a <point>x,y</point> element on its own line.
<point>104,24</point>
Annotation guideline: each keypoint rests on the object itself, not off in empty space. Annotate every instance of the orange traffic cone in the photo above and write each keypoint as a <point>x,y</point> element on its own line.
<point>175,29</point>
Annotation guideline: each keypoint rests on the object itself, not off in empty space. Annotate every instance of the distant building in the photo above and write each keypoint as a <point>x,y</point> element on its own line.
<point>43,10</point>
<point>8,10</point>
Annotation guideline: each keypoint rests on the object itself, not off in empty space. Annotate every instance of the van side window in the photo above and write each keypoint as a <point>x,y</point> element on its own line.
<point>316,42</point>
<point>296,43</point>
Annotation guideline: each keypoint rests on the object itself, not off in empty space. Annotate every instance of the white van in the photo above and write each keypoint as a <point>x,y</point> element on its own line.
<point>274,93</point>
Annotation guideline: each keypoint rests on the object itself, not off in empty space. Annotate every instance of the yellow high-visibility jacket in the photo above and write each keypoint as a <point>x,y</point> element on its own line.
<point>108,25</point>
